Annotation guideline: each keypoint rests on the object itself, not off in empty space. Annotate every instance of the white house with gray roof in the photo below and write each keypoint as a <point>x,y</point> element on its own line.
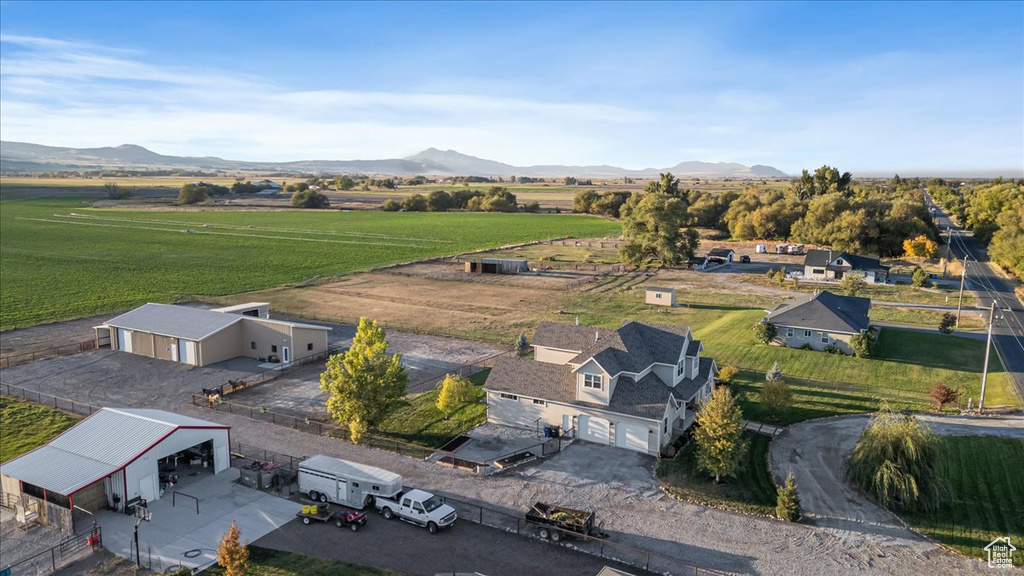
<point>820,320</point>
<point>201,337</point>
<point>637,387</point>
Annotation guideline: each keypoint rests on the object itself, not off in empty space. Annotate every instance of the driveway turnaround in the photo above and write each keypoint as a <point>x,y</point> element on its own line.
<point>815,452</point>
<point>177,534</point>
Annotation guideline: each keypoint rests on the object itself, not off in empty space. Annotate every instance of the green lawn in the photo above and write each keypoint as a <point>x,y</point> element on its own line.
<point>60,259</point>
<point>817,399</point>
<point>752,491</point>
<point>420,422</point>
<point>267,562</point>
<point>969,319</point>
<point>25,426</point>
<point>904,362</point>
<point>986,477</point>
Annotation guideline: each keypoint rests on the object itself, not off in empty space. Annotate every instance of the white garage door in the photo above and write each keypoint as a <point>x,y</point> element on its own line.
<point>594,429</point>
<point>631,436</point>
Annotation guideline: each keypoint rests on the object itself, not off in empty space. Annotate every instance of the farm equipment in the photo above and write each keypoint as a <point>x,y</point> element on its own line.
<point>557,522</point>
<point>344,517</point>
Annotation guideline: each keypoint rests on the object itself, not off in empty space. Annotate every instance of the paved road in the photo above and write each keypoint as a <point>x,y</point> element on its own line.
<point>1008,330</point>
<point>815,453</point>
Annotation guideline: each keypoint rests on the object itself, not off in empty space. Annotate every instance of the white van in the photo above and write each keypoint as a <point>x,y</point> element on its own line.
<point>327,479</point>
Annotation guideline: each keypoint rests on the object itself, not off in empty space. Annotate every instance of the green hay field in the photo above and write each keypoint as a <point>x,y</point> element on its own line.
<point>60,259</point>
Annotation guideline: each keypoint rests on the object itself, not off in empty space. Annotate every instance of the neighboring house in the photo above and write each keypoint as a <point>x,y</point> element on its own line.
<point>829,265</point>
<point>200,337</point>
<point>724,254</point>
<point>660,296</point>
<point>821,320</point>
<point>637,387</point>
<point>110,460</point>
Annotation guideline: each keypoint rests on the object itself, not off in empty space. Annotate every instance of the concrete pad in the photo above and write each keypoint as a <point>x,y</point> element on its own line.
<point>178,529</point>
<point>483,448</point>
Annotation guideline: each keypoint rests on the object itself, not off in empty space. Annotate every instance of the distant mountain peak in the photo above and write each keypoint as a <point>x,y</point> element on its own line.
<point>24,156</point>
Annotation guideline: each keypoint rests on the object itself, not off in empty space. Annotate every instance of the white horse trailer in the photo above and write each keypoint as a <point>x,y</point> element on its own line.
<point>327,479</point>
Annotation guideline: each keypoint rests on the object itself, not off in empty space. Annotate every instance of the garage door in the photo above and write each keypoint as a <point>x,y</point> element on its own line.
<point>594,429</point>
<point>631,436</point>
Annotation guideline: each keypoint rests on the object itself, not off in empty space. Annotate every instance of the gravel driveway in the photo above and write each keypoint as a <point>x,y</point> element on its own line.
<point>815,453</point>
<point>625,496</point>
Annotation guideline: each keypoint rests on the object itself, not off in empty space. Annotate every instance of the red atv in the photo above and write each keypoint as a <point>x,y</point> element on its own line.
<point>351,518</point>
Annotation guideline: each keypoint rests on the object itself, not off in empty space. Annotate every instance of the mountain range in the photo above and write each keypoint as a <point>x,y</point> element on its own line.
<point>25,157</point>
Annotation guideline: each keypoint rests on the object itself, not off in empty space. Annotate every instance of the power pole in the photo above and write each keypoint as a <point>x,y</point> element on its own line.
<point>960,301</point>
<point>988,347</point>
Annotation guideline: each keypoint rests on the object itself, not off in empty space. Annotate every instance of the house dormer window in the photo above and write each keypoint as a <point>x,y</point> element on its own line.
<point>595,381</point>
<point>680,366</point>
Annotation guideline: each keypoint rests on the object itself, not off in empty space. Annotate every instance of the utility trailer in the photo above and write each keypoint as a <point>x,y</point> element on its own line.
<point>557,522</point>
<point>326,479</point>
<point>344,517</point>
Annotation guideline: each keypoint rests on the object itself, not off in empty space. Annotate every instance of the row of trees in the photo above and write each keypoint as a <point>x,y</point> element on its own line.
<point>825,208</point>
<point>495,199</point>
<point>994,211</point>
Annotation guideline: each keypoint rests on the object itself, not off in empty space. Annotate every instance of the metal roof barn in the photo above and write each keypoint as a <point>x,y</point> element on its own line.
<point>110,459</point>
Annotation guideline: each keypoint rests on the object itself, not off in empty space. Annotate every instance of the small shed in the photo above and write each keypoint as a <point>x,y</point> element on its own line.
<point>697,263</point>
<point>660,296</point>
<point>497,266</point>
<point>725,254</point>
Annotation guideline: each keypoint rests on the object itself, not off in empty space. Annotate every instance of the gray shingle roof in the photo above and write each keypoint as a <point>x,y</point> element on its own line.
<point>533,379</point>
<point>567,336</point>
<point>175,321</point>
<point>720,252</point>
<point>823,311</point>
<point>645,398</point>
<point>823,257</point>
<point>635,346</point>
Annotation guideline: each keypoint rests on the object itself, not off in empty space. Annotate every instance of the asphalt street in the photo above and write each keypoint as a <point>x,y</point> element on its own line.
<point>989,287</point>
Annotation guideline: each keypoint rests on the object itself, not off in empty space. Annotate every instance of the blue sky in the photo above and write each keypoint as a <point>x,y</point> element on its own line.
<point>867,87</point>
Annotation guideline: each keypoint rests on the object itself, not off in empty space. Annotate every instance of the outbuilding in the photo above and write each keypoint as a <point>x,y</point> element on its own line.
<point>201,337</point>
<point>497,266</point>
<point>725,254</point>
<point>116,458</point>
<point>660,296</point>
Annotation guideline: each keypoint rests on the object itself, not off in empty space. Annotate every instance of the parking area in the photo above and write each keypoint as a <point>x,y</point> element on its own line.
<point>466,548</point>
<point>187,529</point>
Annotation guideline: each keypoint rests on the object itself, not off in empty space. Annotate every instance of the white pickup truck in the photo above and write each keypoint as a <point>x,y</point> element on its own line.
<point>418,507</point>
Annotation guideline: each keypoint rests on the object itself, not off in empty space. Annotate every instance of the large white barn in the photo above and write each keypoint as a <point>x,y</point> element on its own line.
<point>111,459</point>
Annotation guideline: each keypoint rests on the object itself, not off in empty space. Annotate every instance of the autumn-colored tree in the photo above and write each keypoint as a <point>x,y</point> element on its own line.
<point>720,446</point>
<point>364,384</point>
<point>920,247</point>
<point>455,391</point>
<point>727,373</point>
<point>232,554</point>
<point>943,395</point>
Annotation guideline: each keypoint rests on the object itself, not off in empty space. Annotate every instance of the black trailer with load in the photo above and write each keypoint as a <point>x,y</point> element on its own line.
<point>556,522</point>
